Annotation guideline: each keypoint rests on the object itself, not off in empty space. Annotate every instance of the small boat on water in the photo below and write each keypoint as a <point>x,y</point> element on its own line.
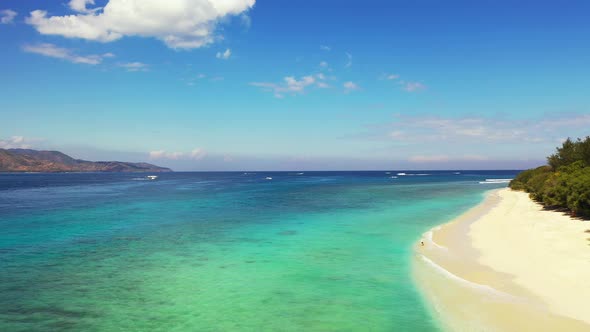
<point>268,178</point>
<point>152,177</point>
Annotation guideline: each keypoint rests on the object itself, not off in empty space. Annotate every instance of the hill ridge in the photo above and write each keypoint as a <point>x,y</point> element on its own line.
<point>29,160</point>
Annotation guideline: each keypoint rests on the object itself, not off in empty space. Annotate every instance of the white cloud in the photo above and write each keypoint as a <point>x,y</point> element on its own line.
<point>193,79</point>
<point>174,155</point>
<point>198,154</point>
<point>412,86</point>
<point>324,66</point>
<point>408,86</point>
<point>348,60</point>
<point>53,51</point>
<point>223,55</point>
<point>15,142</point>
<point>477,130</point>
<point>350,86</point>
<point>567,121</point>
<point>161,154</point>
<point>396,134</point>
<point>134,66</point>
<point>246,20</point>
<point>413,129</point>
<point>81,6</point>
<point>157,154</point>
<point>292,85</point>
<point>7,16</point>
<point>391,77</point>
<point>195,154</point>
<point>325,48</point>
<point>180,24</point>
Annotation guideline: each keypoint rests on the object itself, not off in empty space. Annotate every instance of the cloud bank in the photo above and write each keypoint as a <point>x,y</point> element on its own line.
<point>195,154</point>
<point>15,142</point>
<point>481,129</point>
<point>180,24</point>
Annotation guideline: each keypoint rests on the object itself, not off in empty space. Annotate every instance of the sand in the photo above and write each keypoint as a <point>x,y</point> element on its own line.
<point>507,265</point>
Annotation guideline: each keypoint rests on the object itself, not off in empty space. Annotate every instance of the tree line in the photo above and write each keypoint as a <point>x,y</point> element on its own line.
<point>564,183</point>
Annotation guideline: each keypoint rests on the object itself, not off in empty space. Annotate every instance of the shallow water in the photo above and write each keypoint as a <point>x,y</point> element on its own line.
<point>326,251</point>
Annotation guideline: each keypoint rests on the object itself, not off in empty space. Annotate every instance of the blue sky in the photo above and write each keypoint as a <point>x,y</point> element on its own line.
<point>296,85</point>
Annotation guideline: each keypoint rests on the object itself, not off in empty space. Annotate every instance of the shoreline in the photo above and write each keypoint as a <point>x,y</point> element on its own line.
<point>506,265</point>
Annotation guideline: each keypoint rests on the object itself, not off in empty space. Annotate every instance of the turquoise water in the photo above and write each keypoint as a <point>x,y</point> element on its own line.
<point>320,251</point>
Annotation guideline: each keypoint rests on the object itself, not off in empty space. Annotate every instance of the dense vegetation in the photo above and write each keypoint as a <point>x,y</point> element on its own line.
<point>564,182</point>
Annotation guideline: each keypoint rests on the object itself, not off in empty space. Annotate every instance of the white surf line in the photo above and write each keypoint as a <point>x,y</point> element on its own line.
<point>495,181</point>
<point>429,238</point>
<point>479,287</point>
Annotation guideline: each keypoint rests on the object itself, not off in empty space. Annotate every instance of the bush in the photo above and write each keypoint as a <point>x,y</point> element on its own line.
<point>522,179</point>
<point>555,191</point>
<point>578,198</point>
<point>565,183</point>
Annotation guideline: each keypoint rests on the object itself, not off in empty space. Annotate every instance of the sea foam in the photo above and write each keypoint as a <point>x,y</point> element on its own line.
<point>479,287</point>
<point>428,236</point>
<point>494,181</point>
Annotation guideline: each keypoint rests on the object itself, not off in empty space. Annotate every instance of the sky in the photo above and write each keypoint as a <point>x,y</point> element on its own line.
<point>296,85</point>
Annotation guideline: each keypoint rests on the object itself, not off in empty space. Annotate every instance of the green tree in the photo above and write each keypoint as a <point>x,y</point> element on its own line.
<point>570,152</point>
<point>565,183</point>
<point>578,198</point>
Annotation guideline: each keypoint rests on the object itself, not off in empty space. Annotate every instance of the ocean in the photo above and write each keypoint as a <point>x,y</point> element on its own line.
<point>231,251</point>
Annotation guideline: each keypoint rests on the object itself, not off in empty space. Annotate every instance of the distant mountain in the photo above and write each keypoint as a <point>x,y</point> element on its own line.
<point>26,160</point>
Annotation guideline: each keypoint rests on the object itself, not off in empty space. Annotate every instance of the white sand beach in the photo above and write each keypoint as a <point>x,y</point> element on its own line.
<point>507,265</point>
